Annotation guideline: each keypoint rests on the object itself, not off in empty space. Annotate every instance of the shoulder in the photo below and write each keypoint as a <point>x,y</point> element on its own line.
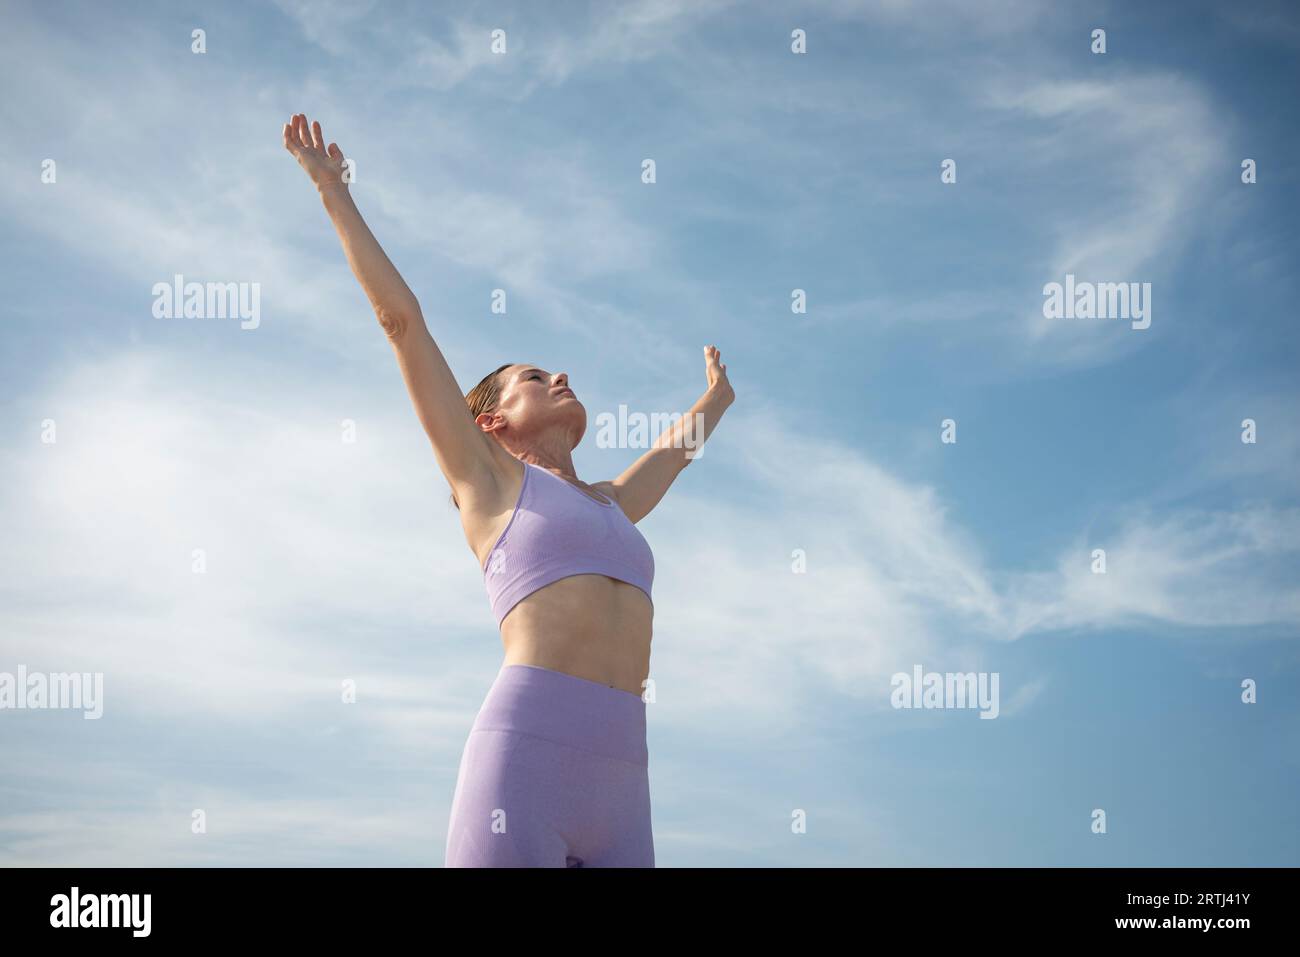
<point>606,489</point>
<point>610,491</point>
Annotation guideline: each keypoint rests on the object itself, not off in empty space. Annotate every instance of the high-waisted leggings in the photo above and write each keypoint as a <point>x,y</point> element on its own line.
<point>555,774</point>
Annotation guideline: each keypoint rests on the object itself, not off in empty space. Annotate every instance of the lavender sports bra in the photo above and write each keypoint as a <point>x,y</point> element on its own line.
<point>557,530</point>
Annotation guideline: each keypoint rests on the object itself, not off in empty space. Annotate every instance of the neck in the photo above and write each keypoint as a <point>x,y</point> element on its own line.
<point>554,456</point>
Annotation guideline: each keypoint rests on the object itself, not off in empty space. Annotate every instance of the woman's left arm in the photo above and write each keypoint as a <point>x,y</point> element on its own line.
<point>639,489</point>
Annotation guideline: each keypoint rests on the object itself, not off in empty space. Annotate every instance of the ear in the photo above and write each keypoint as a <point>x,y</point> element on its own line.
<point>490,421</point>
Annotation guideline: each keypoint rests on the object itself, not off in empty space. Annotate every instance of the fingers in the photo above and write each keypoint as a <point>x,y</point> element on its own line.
<point>713,362</point>
<point>299,135</point>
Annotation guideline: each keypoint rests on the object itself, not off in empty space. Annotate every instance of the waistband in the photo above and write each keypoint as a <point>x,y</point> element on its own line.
<point>568,710</point>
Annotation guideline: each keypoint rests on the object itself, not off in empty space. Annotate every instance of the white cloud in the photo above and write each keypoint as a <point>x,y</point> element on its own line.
<point>329,561</point>
<point>1149,142</point>
<point>312,544</point>
<point>333,25</point>
<point>1189,568</point>
<point>950,18</point>
<point>241,831</point>
<point>449,54</point>
<point>216,217</point>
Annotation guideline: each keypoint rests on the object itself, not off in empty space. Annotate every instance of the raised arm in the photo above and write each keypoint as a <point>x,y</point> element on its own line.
<point>463,451</point>
<point>640,488</point>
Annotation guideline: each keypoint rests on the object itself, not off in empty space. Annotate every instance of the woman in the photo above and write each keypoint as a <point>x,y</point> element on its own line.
<point>555,772</point>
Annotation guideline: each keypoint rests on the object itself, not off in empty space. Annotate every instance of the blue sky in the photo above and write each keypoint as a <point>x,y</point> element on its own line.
<point>775,171</point>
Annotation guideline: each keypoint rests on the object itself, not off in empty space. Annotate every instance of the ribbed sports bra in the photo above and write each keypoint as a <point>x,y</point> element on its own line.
<point>557,530</point>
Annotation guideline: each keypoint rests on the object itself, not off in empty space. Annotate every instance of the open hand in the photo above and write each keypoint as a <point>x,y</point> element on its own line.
<point>324,166</point>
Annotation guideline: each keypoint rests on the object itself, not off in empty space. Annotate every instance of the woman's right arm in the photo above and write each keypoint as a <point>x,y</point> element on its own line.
<point>463,450</point>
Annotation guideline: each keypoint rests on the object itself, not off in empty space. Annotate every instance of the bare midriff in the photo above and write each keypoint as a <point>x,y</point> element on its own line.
<point>589,626</point>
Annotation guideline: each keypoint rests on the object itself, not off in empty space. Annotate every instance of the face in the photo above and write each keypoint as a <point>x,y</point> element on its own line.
<point>534,401</point>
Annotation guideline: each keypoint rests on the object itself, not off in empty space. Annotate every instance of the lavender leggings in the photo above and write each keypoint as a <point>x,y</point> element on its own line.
<point>555,774</point>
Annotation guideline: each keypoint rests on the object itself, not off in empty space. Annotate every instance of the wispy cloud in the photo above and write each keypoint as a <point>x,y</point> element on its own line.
<point>1190,568</point>
<point>1155,139</point>
<point>299,528</point>
<point>328,561</point>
